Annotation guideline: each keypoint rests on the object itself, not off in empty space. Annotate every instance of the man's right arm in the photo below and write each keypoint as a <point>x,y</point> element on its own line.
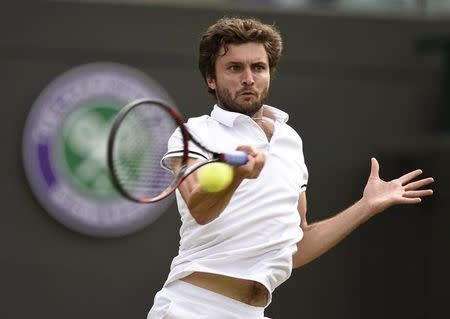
<point>204,206</point>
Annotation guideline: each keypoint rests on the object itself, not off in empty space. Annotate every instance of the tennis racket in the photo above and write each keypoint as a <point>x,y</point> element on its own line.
<point>137,143</point>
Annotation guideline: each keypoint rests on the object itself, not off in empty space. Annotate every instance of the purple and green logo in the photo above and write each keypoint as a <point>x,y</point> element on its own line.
<point>64,148</point>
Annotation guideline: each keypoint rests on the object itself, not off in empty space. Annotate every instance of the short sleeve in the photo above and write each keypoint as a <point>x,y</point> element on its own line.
<point>303,170</point>
<point>303,177</point>
<point>175,149</point>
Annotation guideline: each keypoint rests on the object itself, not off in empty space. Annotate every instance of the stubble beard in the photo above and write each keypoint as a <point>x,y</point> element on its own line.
<point>226,101</point>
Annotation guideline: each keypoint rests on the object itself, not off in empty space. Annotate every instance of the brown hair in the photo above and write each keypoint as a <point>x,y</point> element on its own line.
<point>237,31</point>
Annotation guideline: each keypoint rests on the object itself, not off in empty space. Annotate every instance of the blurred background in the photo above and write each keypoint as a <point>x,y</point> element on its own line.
<point>359,78</point>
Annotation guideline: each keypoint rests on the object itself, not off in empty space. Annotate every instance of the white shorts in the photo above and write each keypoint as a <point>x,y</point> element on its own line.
<point>181,300</point>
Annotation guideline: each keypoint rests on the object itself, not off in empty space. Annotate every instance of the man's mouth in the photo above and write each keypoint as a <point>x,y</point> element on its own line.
<point>247,93</point>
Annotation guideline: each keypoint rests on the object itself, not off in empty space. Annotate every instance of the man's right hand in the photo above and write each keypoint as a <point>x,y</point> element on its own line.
<point>256,161</point>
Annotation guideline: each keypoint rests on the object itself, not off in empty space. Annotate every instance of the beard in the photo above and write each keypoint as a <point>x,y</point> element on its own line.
<point>226,100</point>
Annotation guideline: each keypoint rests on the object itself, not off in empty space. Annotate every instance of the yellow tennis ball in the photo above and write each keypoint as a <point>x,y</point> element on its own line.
<point>215,177</point>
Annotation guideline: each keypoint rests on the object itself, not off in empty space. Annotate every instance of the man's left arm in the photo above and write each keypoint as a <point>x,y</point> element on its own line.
<point>378,195</point>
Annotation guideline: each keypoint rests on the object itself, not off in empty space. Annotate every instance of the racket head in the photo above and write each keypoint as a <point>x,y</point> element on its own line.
<point>136,144</point>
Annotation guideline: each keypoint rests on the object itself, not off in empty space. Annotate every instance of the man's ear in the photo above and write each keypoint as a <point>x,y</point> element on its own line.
<point>211,82</point>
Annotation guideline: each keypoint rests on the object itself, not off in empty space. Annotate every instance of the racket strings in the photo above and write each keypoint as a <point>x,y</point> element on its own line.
<point>141,142</point>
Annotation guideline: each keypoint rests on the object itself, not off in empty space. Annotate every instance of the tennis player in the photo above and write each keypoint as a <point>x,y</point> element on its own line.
<point>239,244</point>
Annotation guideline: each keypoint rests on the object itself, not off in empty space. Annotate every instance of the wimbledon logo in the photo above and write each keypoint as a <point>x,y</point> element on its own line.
<point>64,148</point>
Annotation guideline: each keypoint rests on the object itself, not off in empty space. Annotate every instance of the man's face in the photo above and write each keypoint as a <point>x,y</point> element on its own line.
<point>242,78</point>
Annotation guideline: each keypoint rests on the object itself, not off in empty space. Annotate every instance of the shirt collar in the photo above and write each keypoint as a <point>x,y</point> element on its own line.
<point>228,118</point>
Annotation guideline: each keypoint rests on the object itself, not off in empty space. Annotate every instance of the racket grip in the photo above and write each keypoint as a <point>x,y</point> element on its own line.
<point>236,158</point>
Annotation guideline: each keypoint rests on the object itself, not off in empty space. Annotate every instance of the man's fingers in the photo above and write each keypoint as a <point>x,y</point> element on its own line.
<point>375,167</point>
<point>409,176</point>
<point>255,162</point>
<point>248,149</point>
<point>419,184</point>
<point>420,193</point>
<point>258,163</point>
<point>406,200</point>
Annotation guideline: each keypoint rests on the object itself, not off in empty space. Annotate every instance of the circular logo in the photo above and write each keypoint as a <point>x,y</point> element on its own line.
<point>64,148</point>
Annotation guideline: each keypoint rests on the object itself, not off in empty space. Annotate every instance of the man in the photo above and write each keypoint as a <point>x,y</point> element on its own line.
<point>239,244</point>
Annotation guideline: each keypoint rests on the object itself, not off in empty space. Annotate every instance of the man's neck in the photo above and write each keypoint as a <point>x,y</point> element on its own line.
<point>258,115</point>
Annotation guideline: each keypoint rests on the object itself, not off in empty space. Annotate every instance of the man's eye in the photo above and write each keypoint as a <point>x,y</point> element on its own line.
<point>234,68</point>
<point>259,68</point>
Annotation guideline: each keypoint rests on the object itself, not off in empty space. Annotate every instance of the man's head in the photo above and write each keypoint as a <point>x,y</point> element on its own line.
<point>237,59</point>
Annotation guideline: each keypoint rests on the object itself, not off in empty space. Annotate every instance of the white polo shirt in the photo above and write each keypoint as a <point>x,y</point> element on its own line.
<point>255,236</point>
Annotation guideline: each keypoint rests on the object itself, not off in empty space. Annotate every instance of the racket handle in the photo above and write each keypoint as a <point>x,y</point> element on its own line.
<point>236,158</point>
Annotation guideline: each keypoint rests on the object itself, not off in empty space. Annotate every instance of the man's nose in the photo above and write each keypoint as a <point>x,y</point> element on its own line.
<point>247,77</point>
